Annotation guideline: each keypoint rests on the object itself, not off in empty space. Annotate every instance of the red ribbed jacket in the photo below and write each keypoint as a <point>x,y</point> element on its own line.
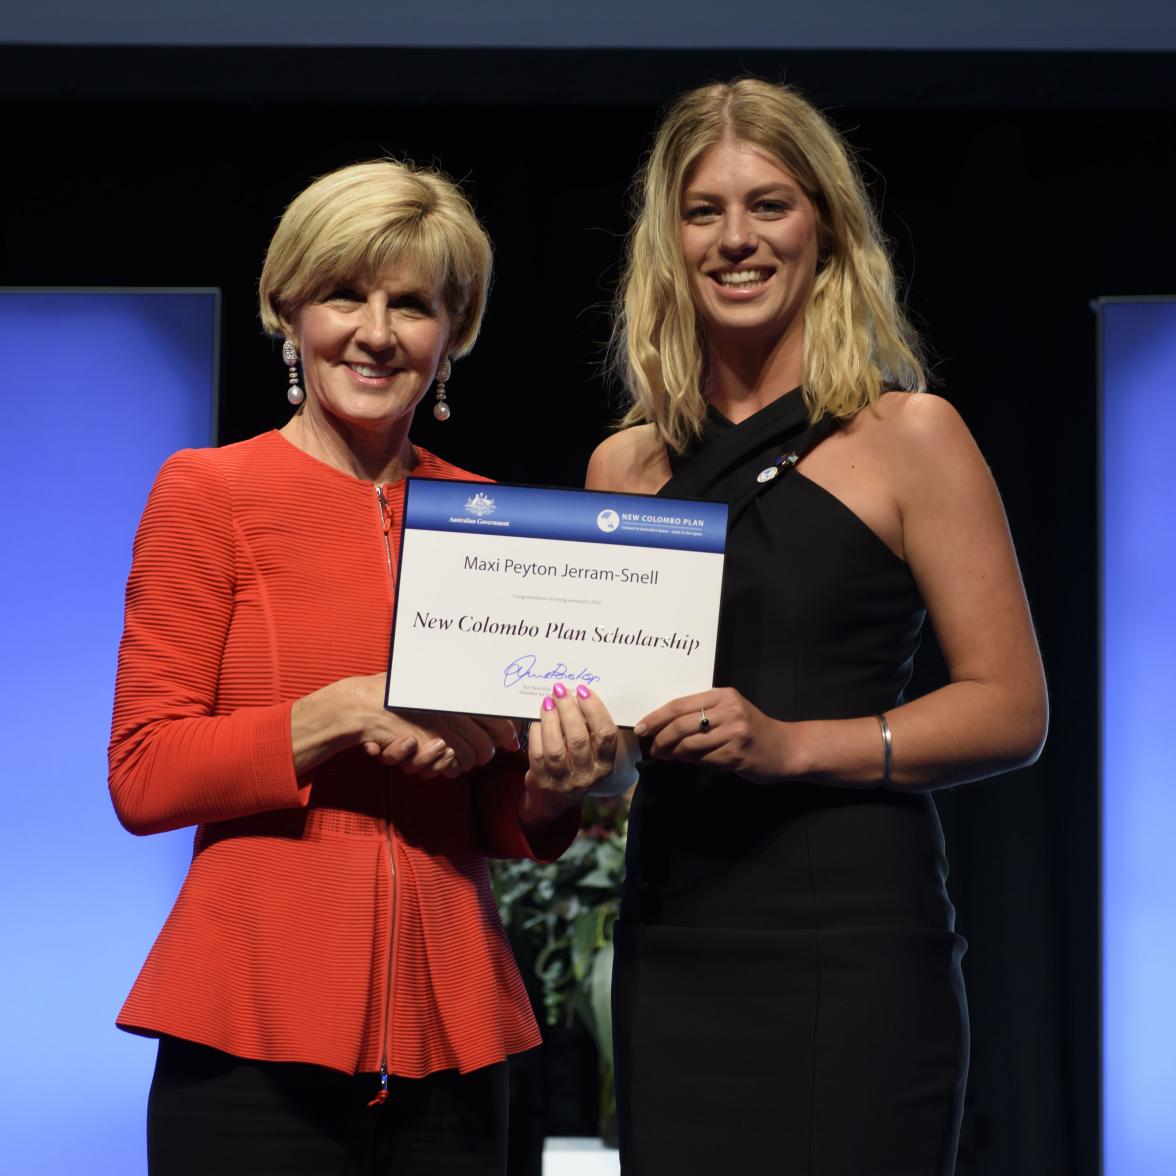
<point>333,918</point>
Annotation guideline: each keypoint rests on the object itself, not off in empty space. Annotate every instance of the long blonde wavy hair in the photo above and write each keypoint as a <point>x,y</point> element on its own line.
<point>857,341</point>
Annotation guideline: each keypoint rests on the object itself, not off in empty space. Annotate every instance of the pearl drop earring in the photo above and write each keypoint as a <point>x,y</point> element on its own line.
<point>441,408</point>
<point>294,393</point>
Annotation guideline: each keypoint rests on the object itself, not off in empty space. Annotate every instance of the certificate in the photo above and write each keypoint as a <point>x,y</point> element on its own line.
<point>502,591</point>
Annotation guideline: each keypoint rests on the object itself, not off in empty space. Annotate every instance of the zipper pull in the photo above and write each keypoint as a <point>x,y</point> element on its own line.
<point>385,510</point>
<point>382,1096</point>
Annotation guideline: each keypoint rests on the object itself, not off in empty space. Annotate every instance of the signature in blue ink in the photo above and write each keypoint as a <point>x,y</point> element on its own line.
<point>523,668</point>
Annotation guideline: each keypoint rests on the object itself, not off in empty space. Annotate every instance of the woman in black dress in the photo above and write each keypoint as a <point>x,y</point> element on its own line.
<point>788,994</point>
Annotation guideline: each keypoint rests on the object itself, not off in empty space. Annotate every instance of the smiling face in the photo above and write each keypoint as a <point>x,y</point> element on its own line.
<point>749,239</point>
<point>370,349</point>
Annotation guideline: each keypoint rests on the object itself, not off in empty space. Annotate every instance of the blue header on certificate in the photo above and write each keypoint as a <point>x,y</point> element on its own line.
<point>584,516</point>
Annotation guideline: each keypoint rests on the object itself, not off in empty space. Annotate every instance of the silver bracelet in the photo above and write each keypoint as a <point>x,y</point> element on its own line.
<point>887,749</point>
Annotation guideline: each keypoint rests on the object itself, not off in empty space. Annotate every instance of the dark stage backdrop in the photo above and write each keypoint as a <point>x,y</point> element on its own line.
<point>1016,188</point>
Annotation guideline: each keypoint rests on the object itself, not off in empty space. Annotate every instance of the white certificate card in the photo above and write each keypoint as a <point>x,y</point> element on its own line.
<point>502,591</point>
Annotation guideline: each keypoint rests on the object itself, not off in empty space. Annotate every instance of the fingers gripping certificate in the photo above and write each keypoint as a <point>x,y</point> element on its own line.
<point>502,591</point>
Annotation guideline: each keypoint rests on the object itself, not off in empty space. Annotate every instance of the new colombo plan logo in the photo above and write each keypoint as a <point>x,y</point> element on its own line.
<point>608,520</point>
<point>480,505</point>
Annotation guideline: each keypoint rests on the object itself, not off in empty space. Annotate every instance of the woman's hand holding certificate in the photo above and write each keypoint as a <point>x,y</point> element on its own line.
<point>570,750</point>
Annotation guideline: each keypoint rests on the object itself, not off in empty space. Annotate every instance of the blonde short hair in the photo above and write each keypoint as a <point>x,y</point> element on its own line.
<point>357,221</point>
<point>857,341</point>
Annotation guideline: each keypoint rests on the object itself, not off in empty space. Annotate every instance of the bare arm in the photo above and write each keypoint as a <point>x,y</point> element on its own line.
<point>633,461</point>
<point>991,717</point>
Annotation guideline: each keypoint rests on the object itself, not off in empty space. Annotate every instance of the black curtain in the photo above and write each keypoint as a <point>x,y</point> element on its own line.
<point>1016,188</point>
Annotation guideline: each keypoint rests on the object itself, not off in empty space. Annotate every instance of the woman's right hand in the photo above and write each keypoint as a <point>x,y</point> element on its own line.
<point>570,750</point>
<point>351,712</point>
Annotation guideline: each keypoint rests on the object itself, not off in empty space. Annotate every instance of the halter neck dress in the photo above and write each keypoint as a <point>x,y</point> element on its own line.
<point>788,995</point>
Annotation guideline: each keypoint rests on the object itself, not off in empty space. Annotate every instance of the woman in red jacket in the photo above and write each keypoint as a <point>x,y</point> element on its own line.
<point>333,991</point>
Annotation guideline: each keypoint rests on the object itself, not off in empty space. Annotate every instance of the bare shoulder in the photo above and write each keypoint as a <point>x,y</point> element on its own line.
<point>915,433</point>
<point>916,418</point>
<point>633,460</point>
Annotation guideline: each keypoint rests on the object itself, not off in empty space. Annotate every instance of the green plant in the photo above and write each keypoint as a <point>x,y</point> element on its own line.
<point>559,917</point>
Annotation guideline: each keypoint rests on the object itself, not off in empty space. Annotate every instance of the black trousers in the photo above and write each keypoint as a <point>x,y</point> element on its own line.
<point>210,1112</point>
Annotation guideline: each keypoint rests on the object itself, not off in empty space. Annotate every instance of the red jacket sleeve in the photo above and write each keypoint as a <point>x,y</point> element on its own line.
<point>497,791</point>
<point>173,762</point>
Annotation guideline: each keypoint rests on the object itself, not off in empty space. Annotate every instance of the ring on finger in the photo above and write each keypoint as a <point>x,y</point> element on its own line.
<point>704,724</point>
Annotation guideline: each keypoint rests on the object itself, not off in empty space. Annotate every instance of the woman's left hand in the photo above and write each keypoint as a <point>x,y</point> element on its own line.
<point>570,748</point>
<point>472,740</point>
<point>718,727</point>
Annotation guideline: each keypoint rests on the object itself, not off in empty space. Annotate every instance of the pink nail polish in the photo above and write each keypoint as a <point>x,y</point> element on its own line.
<point>549,704</point>
<point>559,690</point>
<point>582,691</point>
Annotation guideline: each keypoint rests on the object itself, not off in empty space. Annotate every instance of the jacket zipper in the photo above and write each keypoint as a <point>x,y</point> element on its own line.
<point>382,1094</point>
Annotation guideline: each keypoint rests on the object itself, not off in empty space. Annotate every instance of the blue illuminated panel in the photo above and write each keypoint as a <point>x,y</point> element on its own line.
<point>1138,346</point>
<point>98,388</point>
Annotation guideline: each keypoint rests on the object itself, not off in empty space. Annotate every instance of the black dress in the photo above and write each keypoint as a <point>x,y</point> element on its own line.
<point>787,995</point>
